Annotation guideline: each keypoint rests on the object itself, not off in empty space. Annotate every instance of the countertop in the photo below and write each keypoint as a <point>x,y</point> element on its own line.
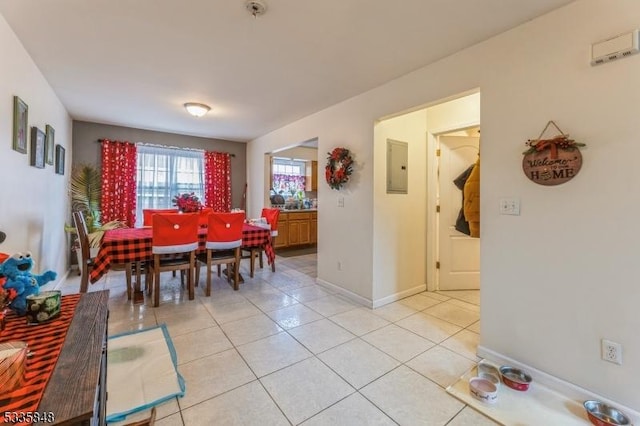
<point>297,210</point>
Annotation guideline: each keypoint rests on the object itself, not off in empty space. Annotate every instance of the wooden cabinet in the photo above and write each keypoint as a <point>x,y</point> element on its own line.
<point>297,228</point>
<point>313,228</point>
<point>312,176</point>
<point>282,240</point>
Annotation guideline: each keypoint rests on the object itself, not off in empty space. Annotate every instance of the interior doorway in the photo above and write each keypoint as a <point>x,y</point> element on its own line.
<point>458,254</point>
<point>453,131</point>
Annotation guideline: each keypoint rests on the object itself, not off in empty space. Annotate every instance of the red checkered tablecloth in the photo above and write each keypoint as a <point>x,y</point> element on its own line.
<point>127,245</point>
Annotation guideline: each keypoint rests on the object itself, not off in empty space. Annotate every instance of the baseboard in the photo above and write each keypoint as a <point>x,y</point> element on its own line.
<point>346,293</point>
<point>561,386</point>
<point>397,296</point>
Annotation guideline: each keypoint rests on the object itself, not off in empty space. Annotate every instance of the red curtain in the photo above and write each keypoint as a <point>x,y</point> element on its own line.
<point>217,181</point>
<point>118,181</point>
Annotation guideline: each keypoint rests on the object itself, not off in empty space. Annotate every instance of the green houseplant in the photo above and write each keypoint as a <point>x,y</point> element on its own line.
<point>86,191</point>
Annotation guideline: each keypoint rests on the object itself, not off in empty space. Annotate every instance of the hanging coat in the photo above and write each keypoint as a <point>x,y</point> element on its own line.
<point>471,205</point>
<point>461,222</point>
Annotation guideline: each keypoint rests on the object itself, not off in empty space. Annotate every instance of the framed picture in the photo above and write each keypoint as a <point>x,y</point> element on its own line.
<point>20,123</point>
<point>48,146</point>
<point>59,159</point>
<point>37,147</point>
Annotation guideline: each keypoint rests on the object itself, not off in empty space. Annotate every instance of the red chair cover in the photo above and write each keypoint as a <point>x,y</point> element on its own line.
<point>224,230</point>
<point>147,215</point>
<point>204,215</point>
<point>174,232</point>
<point>272,216</point>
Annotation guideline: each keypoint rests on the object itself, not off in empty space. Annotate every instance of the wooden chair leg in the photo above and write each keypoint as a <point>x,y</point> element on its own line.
<point>252,258</point>
<point>156,282</point>
<point>128,274</point>
<point>208,290</point>
<point>236,270</point>
<point>261,262</point>
<point>84,279</point>
<point>189,272</point>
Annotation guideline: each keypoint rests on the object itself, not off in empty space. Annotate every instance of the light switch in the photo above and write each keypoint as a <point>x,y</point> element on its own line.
<point>510,206</point>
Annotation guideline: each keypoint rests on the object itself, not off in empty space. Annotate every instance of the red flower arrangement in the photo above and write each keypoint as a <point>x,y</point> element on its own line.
<point>339,167</point>
<point>187,203</point>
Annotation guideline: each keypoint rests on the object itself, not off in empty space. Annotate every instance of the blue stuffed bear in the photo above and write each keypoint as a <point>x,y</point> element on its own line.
<point>17,270</point>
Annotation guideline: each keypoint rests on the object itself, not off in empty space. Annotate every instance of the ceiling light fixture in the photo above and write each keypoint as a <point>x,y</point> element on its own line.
<point>256,7</point>
<point>196,109</point>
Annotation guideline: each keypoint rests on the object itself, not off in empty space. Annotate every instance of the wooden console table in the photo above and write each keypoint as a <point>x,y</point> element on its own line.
<point>76,392</point>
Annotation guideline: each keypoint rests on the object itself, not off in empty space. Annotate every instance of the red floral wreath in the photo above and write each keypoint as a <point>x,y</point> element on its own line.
<point>339,167</point>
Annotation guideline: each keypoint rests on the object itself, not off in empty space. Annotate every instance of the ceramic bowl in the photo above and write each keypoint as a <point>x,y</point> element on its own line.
<point>488,371</point>
<point>515,378</point>
<point>601,414</point>
<point>483,389</point>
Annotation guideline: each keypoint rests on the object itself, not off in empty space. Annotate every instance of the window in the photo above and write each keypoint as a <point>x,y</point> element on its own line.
<point>163,173</point>
<point>288,176</point>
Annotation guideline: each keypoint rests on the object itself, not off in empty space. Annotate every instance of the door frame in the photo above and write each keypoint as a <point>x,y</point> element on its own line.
<point>433,234</point>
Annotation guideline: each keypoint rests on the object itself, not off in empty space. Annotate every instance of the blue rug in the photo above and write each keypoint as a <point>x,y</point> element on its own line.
<point>141,372</point>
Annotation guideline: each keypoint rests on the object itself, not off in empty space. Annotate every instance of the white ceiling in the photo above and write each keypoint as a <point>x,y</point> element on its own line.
<point>136,62</point>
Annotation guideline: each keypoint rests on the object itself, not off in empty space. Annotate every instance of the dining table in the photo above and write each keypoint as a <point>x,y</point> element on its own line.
<point>131,245</point>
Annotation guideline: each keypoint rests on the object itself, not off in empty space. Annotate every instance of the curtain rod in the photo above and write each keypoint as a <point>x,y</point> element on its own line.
<point>171,147</point>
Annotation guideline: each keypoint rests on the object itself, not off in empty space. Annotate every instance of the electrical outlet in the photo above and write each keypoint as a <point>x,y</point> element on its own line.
<point>612,351</point>
<point>510,206</point>
<point>340,201</point>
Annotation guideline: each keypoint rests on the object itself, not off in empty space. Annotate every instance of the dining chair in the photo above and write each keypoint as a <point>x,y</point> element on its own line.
<point>224,239</point>
<point>271,216</point>
<point>147,215</point>
<point>174,241</point>
<point>204,216</point>
<point>85,261</point>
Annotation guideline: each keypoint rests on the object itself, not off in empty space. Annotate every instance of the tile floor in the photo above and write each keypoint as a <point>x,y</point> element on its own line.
<point>284,351</point>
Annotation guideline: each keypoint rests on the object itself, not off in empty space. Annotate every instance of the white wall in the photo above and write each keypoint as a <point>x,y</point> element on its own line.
<point>298,153</point>
<point>399,220</point>
<point>561,275</point>
<point>34,203</point>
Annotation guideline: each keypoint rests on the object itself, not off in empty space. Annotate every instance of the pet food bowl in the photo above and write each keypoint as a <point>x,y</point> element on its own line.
<point>489,372</point>
<point>483,389</point>
<point>515,378</point>
<point>602,414</point>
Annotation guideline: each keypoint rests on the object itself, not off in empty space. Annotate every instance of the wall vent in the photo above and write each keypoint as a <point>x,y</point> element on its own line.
<point>617,47</point>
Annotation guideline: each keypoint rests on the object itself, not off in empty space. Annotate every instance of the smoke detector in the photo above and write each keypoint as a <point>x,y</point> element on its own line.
<point>256,7</point>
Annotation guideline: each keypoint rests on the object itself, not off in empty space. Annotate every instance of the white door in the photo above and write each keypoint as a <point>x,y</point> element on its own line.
<point>459,254</point>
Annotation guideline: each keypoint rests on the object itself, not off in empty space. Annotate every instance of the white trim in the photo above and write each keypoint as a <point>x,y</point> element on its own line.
<point>223,245</point>
<point>178,248</point>
<point>58,284</point>
<point>397,296</point>
<point>346,293</point>
<point>563,387</point>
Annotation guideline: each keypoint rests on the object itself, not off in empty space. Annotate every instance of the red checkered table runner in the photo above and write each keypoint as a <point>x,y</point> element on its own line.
<point>127,245</point>
<point>45,341</point>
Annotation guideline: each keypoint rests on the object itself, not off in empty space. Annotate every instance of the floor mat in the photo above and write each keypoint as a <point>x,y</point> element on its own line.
<point>537,406</point>
<point>292,252</point>
<point>141,371</point>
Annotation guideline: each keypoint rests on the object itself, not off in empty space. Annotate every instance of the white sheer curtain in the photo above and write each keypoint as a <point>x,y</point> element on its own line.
<point>164,172</point>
